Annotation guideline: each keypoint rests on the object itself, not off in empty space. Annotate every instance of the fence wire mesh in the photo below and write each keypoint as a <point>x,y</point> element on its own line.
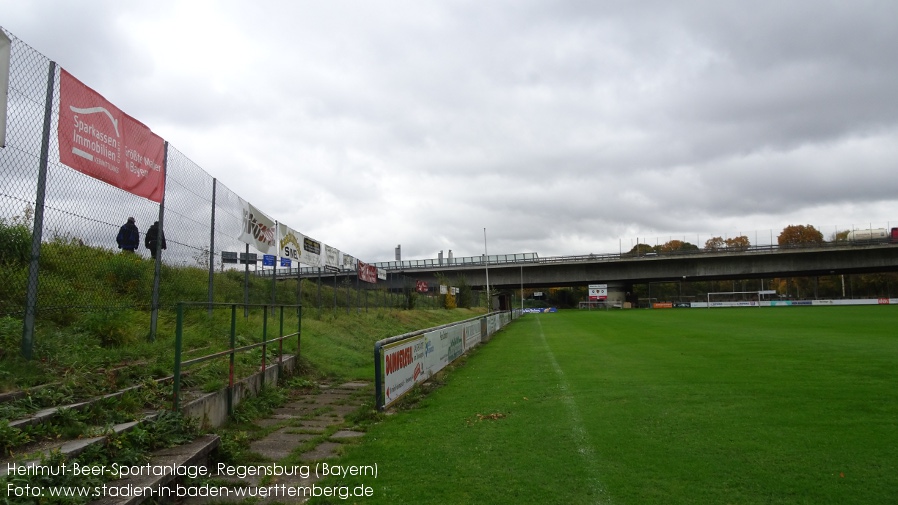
<point>64,231</point>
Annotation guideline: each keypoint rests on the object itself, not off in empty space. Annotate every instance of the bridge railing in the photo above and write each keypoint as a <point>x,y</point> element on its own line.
<point>628,256</point>
<point>534,258</point>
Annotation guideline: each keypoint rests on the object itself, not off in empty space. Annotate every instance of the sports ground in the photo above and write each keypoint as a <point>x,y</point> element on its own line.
<point>724,406</point>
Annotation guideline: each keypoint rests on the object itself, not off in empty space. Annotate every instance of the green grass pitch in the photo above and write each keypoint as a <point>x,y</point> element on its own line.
<point>698,406</point>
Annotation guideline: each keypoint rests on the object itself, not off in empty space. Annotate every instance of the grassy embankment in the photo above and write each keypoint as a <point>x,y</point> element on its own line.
<point>93,321</point>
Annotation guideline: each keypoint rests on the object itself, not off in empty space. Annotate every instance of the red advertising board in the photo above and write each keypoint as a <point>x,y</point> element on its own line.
<point>421,286</point>
<point>99,140</point>
<point>367,273</point>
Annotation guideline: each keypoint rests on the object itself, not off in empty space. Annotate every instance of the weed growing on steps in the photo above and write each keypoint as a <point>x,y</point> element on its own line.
<point>123,449</point>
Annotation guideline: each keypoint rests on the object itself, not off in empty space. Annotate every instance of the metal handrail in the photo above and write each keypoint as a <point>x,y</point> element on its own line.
<point>233,349</point>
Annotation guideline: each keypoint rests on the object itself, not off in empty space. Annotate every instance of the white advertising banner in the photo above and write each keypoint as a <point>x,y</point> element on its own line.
<point>258,229</point>
<point>598,292</point>
<point>290,242</point>
<point>796,303</point>
<point>471,335</point>
<point>310,252</point>
<point>415,360</point>
<point>4,84</point>
<point>349,262</point>
<point>332,257</point>
<point>381,274</point>
<point>403,366</point>
<point>493,324</point>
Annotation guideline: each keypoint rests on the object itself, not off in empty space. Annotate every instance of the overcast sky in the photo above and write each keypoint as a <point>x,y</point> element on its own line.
<point>562,127</point>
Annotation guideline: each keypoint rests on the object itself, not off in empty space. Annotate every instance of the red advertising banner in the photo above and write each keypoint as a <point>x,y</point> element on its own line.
<point>367,273</point>
<point>99,140</point>
<point>421,286</point>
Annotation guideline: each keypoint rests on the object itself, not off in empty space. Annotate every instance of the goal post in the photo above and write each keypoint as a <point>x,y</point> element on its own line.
<point>594,305</point>
<point>731,293</point>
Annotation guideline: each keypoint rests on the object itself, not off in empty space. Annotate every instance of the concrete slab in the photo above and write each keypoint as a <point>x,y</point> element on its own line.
<point>344,434</point>
<point>324,450</point>
<point>187,455</point>
<point>279,444</point>
<point>355,385</point>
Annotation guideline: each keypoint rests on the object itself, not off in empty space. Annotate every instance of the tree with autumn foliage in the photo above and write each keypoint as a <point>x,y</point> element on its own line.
<point>799,235</point>
<point>677,246</point>
<point>739,243</point>
<point>640,250</point>
<point>715,244</point>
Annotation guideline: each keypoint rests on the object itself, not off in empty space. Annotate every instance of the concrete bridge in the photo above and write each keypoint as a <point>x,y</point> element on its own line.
<point>514,270</point>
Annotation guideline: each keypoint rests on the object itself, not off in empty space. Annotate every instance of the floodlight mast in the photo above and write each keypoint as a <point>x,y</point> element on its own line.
<point>486,264</point>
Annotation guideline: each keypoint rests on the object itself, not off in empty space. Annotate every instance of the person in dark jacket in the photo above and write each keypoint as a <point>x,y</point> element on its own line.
<point>154,234</point>
<point>128,237</point>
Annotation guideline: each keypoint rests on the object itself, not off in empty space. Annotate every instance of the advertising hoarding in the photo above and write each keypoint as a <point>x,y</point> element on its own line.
<point>97,139</point>
<point>598,292</point>
<point>258,230</point>
<point>367,273</point>
<point>4,84</point>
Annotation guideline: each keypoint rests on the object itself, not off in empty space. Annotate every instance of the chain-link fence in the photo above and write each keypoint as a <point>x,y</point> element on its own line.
<point>61,250</point>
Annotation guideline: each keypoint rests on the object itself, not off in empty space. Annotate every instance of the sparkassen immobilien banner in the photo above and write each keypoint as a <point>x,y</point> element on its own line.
<point>99,140</point>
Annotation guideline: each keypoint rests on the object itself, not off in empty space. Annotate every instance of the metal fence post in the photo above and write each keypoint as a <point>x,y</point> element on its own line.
<point>281,345</point>
<point>176,386</point>
<point>231,363</point>
<point>246,284</point>
<point>212,247</point>
<point>298,335</point>
<point>37,233</point>
<point>264,343</point>
<point>378,385</point>
<point>157,267</point>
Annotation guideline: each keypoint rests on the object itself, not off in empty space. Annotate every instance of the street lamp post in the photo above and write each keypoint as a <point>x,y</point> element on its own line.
<point>486,264</point>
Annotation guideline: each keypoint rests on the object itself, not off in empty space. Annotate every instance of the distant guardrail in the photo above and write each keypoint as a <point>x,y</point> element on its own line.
<point>534,258</point>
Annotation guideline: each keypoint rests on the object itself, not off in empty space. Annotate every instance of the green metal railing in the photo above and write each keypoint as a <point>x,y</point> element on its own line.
<point>232,351</point>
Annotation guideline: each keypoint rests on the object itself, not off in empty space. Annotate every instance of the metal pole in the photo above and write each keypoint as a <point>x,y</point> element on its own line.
<point>157,267</point>
<point>274,270</point>
<point>298,285</point>
<point>486,254</point>
<point>264,344</point>
<point>233,343</point>
<point>176,386</point>
<point>246,283</point>
<point>212,247</point>
<point>378,384</point>
<point>281,345</point>
<point>37,233</point>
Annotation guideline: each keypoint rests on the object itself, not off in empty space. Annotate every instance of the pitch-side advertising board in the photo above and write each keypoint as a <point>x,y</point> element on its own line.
<point>414,360</point>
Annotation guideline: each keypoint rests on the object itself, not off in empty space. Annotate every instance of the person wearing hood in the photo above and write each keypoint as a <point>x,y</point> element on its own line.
<point>128,237</point>
<point>154,235</point>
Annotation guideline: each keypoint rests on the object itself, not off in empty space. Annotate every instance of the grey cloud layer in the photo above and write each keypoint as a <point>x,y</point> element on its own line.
<point>566,127</point>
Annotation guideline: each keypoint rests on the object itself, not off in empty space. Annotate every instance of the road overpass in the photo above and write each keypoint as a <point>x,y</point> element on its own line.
<point>764,262</point>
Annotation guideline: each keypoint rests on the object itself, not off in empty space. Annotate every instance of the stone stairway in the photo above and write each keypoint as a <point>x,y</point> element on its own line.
<point>309,429</point>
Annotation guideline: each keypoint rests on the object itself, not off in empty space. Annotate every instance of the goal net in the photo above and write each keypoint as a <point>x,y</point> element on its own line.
<point>737,298</point>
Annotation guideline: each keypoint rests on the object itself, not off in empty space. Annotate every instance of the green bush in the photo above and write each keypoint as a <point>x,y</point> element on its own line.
<point>128,275</point>
<point>113,328</point>
<point>15,242</point>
